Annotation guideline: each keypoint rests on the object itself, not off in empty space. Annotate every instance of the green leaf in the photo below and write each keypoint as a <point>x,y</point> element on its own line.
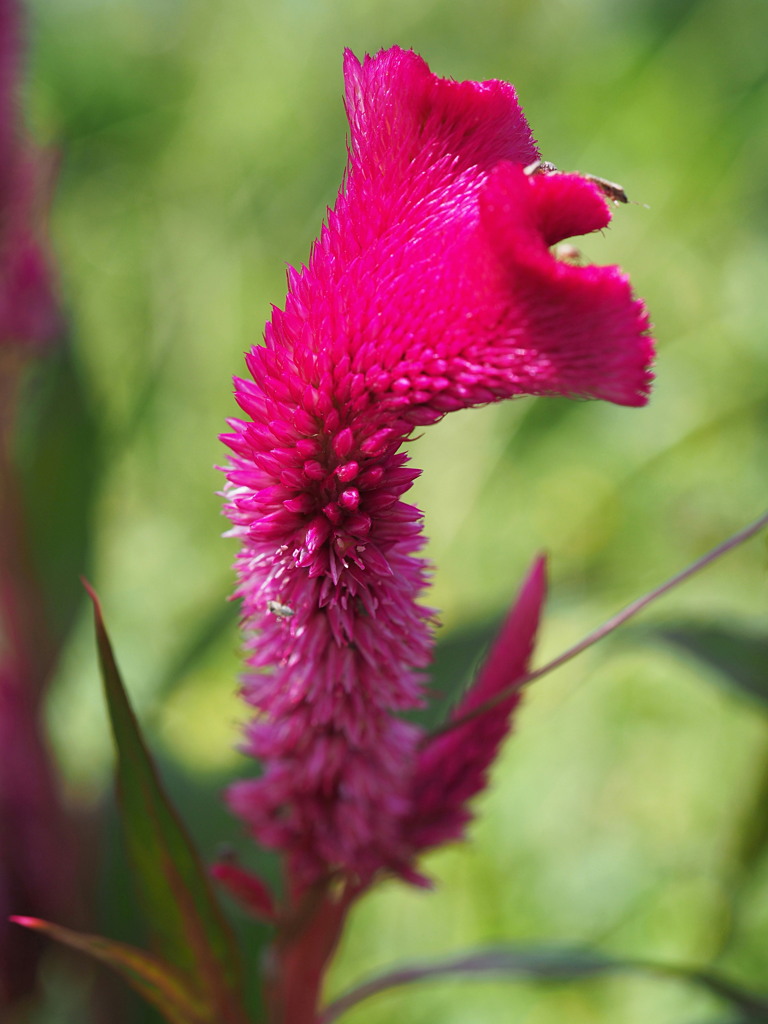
<point>153,979</point>
<point>739,658</point>
<point>188,929</point>
<point>549,964</point>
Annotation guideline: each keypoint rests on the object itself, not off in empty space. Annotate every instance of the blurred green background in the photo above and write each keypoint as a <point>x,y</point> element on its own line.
<point>200,144</point>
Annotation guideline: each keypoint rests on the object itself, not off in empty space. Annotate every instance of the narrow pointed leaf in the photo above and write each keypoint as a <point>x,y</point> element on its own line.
<point>153,979</point>
<point>188,928</point>
<point>549,964</point>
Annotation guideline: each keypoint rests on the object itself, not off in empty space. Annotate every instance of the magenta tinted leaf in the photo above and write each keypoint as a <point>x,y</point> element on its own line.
<point>453,765</point>
<point>150,976</point>
<point>247,888</point>
<point>188,928</point>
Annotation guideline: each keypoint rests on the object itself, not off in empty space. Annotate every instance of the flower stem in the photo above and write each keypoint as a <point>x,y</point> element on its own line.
<point>304,945</point>
<point>613,623</point>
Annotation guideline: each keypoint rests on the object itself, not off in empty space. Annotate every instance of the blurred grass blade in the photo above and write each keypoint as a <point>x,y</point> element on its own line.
<point>753,1005</point>
<point>739,661</point>
<point>216,622</point>
<point>739,658</point>
<point>549,964</point>
<point>188,928</point>
<point>552,964</point>
<point>153,979</point>
<point>59,468</point>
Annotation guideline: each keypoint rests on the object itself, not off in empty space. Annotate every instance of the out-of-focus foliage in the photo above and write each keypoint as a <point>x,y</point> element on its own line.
<point>739,659</point>
<point>200,144</point>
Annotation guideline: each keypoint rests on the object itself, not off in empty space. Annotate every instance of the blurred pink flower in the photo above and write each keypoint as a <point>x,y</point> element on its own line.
<point>37,855</point>
<point>432,288</point>
<point>28,311</point>
<point>37,844</point>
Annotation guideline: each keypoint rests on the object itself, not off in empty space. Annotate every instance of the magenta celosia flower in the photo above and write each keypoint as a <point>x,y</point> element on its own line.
<point>432,288</point>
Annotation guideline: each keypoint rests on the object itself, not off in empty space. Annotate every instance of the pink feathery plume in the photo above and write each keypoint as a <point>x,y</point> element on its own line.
<point>432,287</point>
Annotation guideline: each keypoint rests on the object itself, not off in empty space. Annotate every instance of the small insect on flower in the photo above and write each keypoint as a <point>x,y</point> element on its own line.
<point>610,189</point>
<point>282,611</point>
<point>540,167</point>
<point>568,253</point>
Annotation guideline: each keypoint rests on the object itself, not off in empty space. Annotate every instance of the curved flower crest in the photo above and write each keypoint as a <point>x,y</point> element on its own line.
<point>431,288</point>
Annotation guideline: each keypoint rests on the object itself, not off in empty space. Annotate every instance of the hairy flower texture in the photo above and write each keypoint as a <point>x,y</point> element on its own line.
<point>28,310</point>
<point>432,288</point>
